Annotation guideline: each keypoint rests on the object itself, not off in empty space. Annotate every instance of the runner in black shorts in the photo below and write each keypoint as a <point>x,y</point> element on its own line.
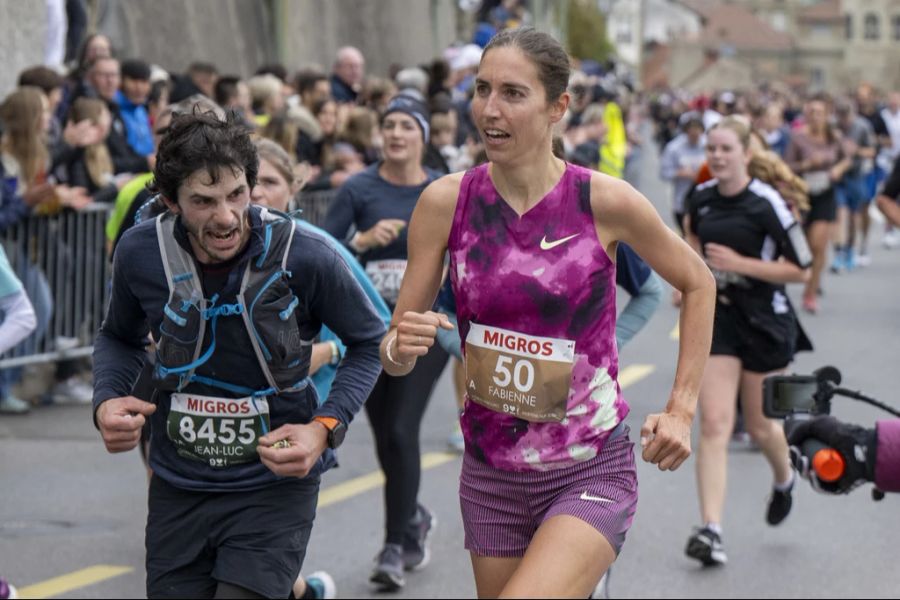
<point>754,245</point>
<point>233,295</point>
<point>817,153</point>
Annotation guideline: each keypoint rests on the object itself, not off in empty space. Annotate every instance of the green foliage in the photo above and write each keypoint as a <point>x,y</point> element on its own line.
<point>586,28</point>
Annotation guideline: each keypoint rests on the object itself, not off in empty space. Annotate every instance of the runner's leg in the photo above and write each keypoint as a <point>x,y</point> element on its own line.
<point>492,574</point>
<point>717,408</point>
<point>576,554</point>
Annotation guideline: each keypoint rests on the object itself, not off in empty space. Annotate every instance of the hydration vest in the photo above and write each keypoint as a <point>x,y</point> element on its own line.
<point>265,303</point>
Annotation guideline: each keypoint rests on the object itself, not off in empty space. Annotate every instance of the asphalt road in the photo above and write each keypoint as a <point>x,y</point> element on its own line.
<point>72,516</point>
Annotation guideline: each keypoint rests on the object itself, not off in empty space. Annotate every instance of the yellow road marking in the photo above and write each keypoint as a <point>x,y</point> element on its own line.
<point>634,373</point>
<point>675,334</point>
<point>331,495</point>
<point>72,581</point>
<point>353,487</point>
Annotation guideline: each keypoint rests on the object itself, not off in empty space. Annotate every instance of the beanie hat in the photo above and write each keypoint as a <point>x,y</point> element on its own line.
<point>411,106</point>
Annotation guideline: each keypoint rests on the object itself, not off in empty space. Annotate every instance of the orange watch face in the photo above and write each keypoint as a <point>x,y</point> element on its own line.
<point>329,422</point>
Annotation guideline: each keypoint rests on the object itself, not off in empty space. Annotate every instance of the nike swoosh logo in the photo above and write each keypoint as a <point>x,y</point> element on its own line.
<point>586,496</point>
<point>545,245</point>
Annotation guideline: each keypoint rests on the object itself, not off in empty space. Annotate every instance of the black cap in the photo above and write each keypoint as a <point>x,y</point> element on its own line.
<point>136,69</point>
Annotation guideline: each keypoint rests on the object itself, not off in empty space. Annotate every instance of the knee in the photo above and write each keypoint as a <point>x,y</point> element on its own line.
<point>762,429</point>
<point>715,426</point>
<point>398,440</point>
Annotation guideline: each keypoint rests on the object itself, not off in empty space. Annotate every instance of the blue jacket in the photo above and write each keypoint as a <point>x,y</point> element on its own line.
<point>326,292</point>
<point>137,125</point>
<point>325,376</point>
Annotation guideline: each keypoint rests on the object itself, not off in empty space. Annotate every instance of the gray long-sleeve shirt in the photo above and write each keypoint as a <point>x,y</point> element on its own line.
<point>680,153</point>
<point>328,294</point>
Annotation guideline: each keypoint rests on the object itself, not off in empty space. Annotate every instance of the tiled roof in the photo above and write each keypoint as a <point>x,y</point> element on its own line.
<point>826,11</point>
<point>654,72</point>
<point>734,25</point>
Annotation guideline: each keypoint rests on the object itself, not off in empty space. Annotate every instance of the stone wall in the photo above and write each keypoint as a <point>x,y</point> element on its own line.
<point>22,29</point>
<point>231,34</point>
<point>408,32</point>
<point>240,35</point>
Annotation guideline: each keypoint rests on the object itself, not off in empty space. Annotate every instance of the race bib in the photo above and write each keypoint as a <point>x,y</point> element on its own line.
<point>386,276</point>
<point>517,374</point>
<point>818,181</point>
<point>218,431</point>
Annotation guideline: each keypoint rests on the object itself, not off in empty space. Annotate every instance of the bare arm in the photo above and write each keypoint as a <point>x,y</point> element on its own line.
<point>625,215</point>
<point>413,326</point>
<point>780,271</point>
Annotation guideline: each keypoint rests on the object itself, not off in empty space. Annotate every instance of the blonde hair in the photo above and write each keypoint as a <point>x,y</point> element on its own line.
<point>739,125</point>
<point>272,152</point>
<point>22,114</point>
<point>96,156</point>
<point>262,89</point>
<point>768,167</point>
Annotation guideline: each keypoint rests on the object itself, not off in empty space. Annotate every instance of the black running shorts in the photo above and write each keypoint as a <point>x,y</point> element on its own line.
<point>759,351</point>
<point>254,540</point>
<point>822,207</point>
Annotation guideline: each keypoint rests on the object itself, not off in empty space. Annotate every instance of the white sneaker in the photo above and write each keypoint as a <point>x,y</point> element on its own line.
<point>891,239</point>
<point>72,391</point>
<point>322,584</point>
<point>64,344</point>
<point>11,405</point>
<point>7,590</point>
<point>601,591</point>
<point>863,260</point>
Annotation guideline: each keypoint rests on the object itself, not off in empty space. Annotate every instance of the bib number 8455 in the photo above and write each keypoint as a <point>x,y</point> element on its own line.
<point>226,434</point>
<point>522,374</point>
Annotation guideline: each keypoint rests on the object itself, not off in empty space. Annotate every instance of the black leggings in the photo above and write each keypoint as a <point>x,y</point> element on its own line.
<point>228,591</point>
<point>395,409</point>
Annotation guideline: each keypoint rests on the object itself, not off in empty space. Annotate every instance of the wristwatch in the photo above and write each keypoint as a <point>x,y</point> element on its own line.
<point>336,430</point>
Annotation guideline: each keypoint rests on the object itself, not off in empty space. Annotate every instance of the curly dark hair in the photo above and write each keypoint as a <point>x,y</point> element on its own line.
<point>203,140</point>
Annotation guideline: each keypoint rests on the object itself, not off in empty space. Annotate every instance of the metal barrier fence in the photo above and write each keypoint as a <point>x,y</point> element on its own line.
<point>62,262</point>
<point>64,265</point>
<point>313,205</point>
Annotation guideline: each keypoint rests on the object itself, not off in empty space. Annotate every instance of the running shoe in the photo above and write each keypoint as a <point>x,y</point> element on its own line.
<point>72,391</point>
<point>891,239</point>
<point>7,590</point>
<point>706,546</point>
<point>837,263</point>
<point>416,551</point>
<point>780,505</point>
<point>455,441</point>
<point>863,259</point>
<point>388,572</point>
<point>322,585</point>
<point>810,305</point>
<point>850,259</point>
<point>10,405</point>
<point>601,591</point>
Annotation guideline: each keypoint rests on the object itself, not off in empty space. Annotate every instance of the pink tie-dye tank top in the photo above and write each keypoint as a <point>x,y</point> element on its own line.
<point>537,289</point>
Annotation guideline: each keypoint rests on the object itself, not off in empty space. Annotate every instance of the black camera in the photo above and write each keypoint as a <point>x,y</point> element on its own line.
<point>796,398</point>
<point>786,396</point>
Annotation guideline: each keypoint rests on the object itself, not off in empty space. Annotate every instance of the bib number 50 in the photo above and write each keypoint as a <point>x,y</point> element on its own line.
<point>522,374</point>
